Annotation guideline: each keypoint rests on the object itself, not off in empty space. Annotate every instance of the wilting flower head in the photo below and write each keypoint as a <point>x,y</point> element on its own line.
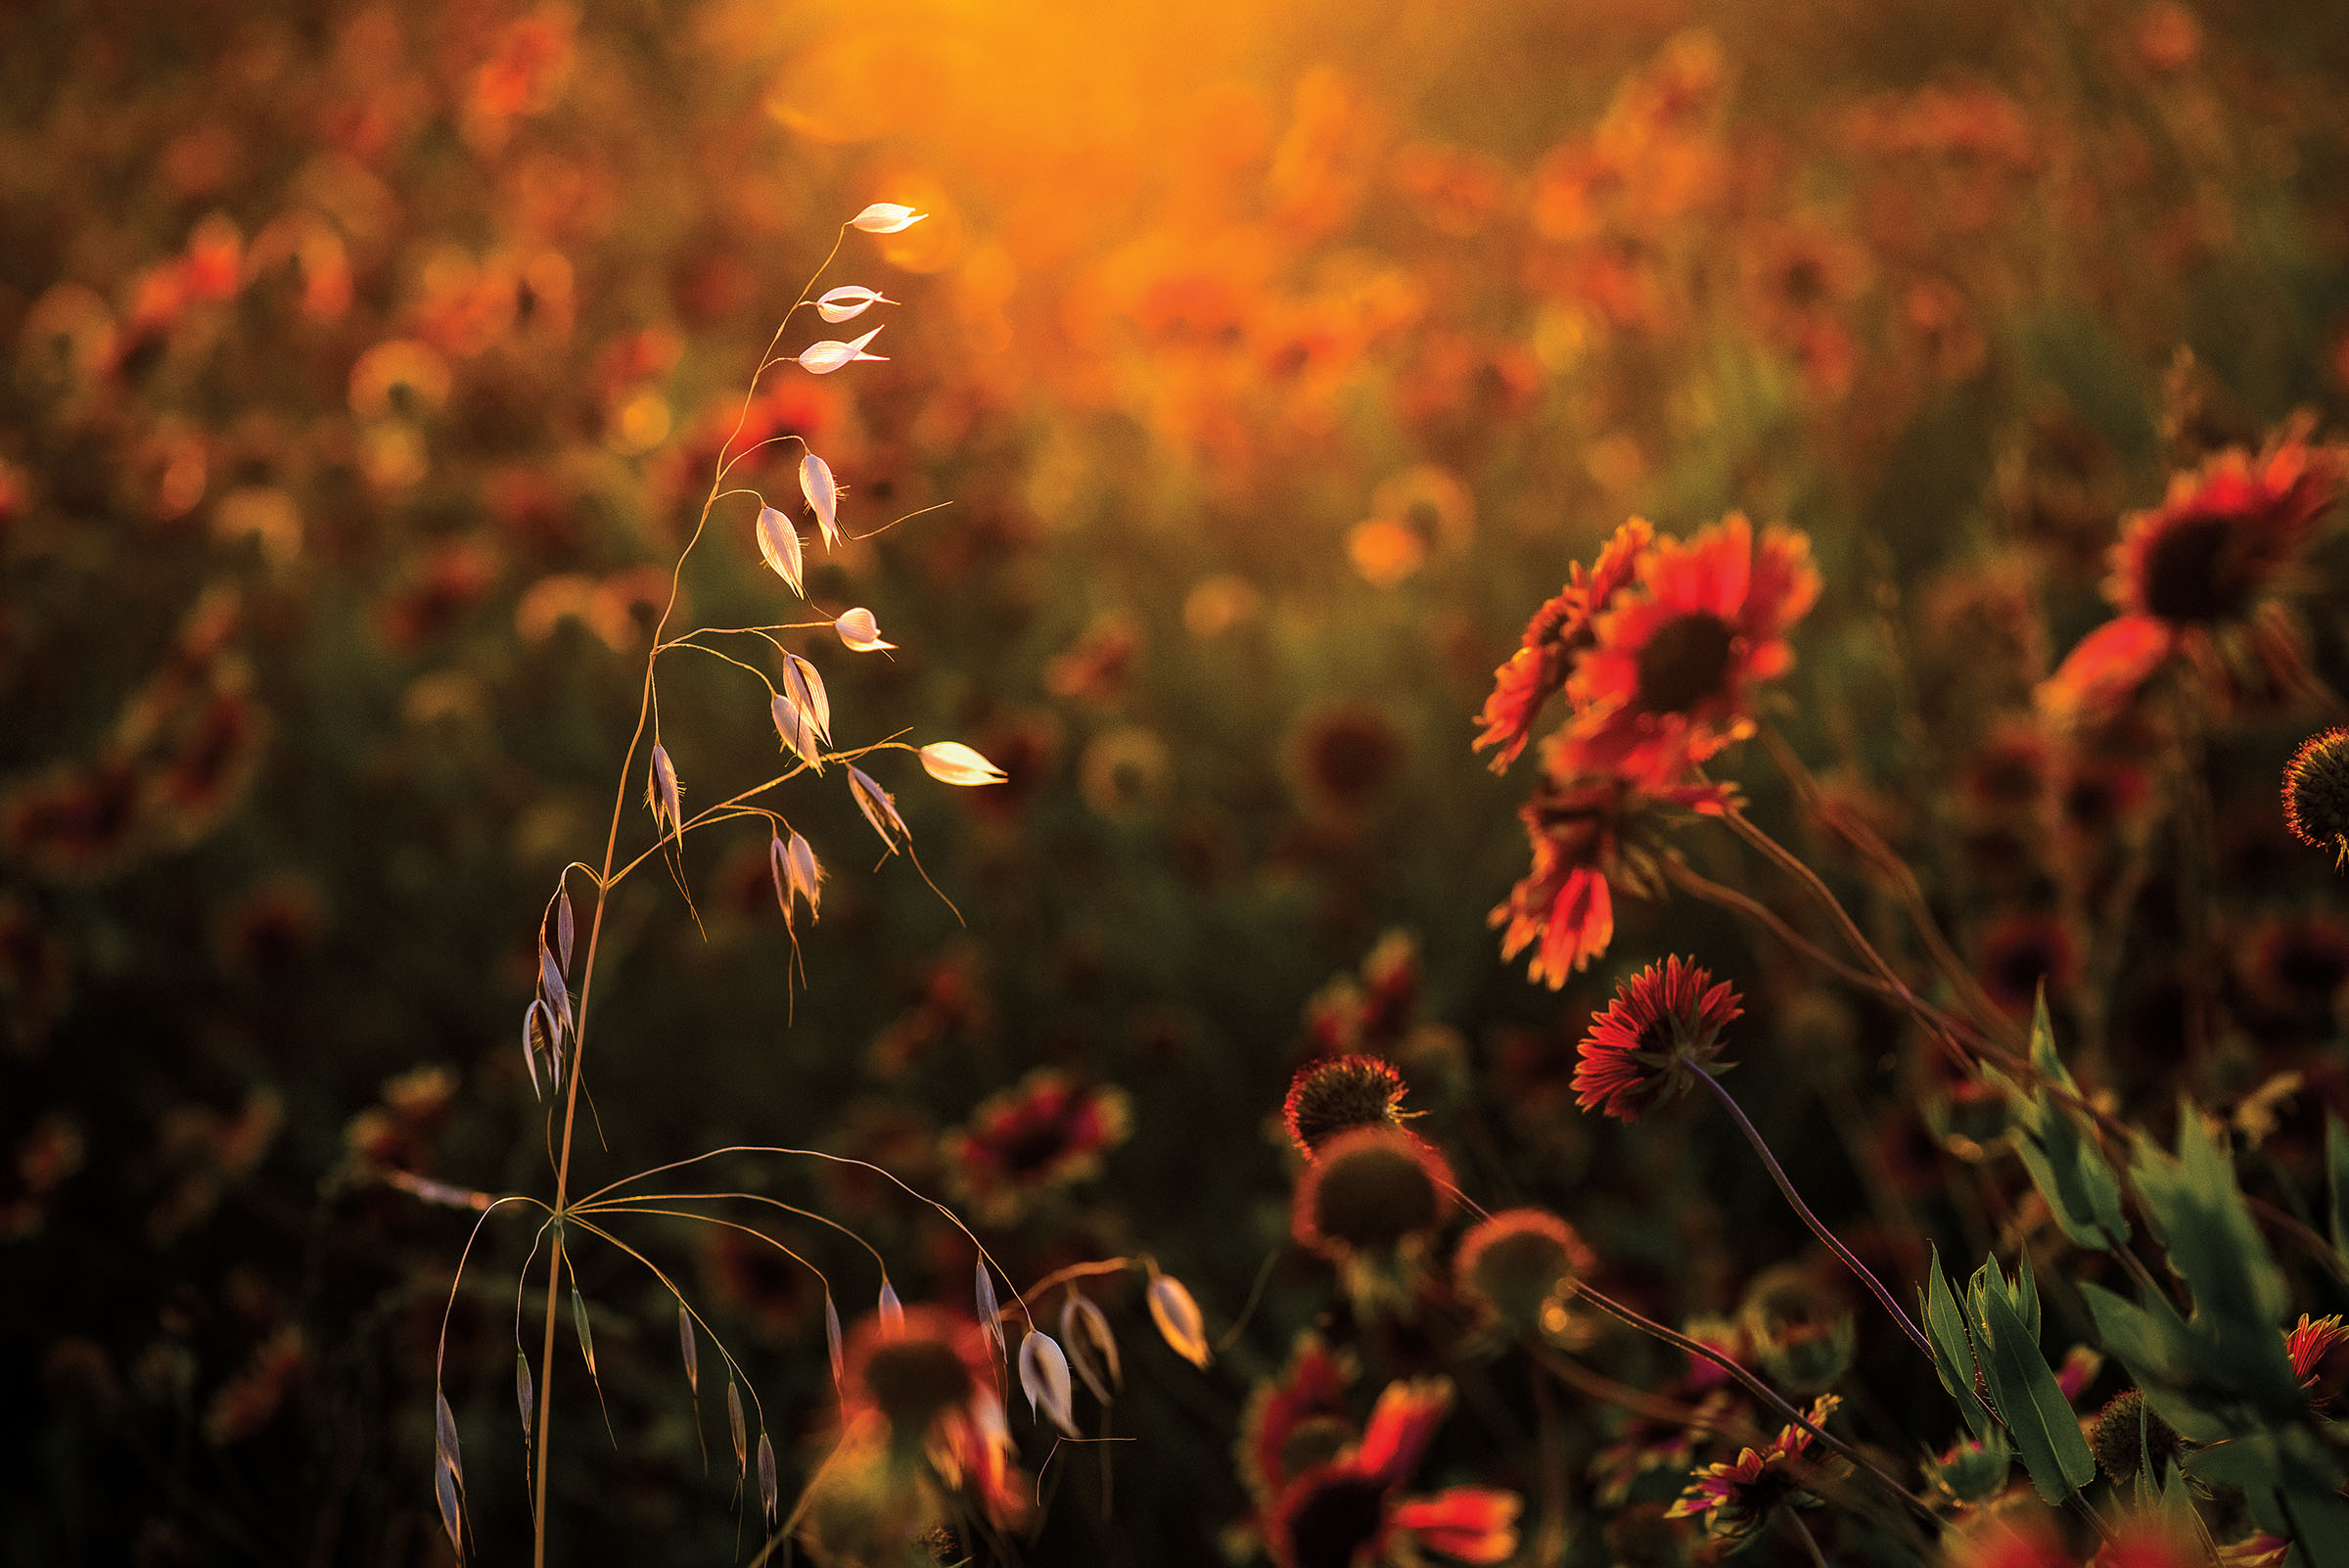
<point>1667,680</point>
<point>1518,1262</point>
<point>1737,1497</point>
<point>1664,1025</point>
<point>1373,1191</point>
<point>2205,577</point>
<point>2316,794</point>
<point>1589,836</point>
<point>1559,634</point>
<point>1337,1094</point>
<point>1345,1512</point>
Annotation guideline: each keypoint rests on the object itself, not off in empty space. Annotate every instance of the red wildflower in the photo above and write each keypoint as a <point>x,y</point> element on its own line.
<point>1589,836</point>
<point>929,1383</point>
<point>2310,1341</point>
<point>1663,1024</point>
<point>1560,634</point>
<point>1046,1132</point>
<point>1667,682</point>
<point>1294,1423</point>
<point>1345,1514</point>
<point>2205,578</point>
<point>1738,1497</point>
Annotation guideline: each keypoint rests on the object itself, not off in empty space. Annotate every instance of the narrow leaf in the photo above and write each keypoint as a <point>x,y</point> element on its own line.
<point>2045,1432</point>
<point>1954,1352</point>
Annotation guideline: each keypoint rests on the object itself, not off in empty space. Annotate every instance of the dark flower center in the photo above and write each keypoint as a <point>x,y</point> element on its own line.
<point>1683,662</point>
<point>1341,1516</point>
<point>2315,792</point>
<point>1339,1096</point>
<point>2194,573</point>
<point>1372,1198</point>
<point>1045,1137</point>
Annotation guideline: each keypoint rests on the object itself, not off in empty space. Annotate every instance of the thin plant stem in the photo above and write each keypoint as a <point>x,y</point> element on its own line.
<point>1819,1228</point>
<point>1818,1558</point>
<point>1752,1385</point>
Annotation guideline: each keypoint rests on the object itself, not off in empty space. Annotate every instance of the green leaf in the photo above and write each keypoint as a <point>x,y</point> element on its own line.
<point>1954,1352</point>
<point>2060,1151</point>
<point>2214,1244</point>
<point>2024,1389</point>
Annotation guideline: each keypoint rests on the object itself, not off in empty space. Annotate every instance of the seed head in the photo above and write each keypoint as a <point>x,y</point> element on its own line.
<point>1339,1093</point>
<point>2316,794</point>
<point>2119,1453</point>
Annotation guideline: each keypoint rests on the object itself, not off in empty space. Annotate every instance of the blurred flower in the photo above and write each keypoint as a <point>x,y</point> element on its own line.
<point>1738,1497</point>
<point>1045,1134</point>
<point>249,1401</point>
<point>2206,577</point>
<point>2018,953</point>
<point>2316,794</point>
<point>1667,682</point>
<point>1347,756</point>
<point>1664,1025</point>
<point>1345,1512</point>
<point>1589,837</point>
<point>1124,772</point>
<point>1376,1191</point>
<point>1295,1422</point>
<point>1515,1264</point>
<point>1099,665</point>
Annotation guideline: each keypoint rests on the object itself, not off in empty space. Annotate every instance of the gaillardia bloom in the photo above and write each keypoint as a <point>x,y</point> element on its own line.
<point>1371,1192</point>
<point>2206,576</point>
<point>1345,1513</point>
<point>1515,1264</point>
<point>918,1397</point>
<point>1338,1093</point>
<point>1295,1422</point>
<point>1669,680</point>
<point>1559,634</point>
<point>1737,1497</point>
<point>1589,837</point>
<point>1043,1134</point>
<point>2316,794</point>
<point>1663,1025</point>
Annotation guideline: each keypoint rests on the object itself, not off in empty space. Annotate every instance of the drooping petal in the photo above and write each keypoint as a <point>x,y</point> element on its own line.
<point>823,358</point>
<point>860,631</point>
<point>1044,1377</point>
<point>885,217</point>
<point>1473,1524</point>
<point>823,496</point>
<point>1402,1423</point>
<point>1176,1316</point>
<point>849,302</point>
<point>779,548</point>
<point>952,762</point>
<point>807,687</point>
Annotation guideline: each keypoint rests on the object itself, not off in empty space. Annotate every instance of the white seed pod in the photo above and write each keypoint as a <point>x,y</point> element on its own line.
<point>806,684</point>
<point>768,1492</point>
<point>663,794</point>
<point>806,877</point>
<point>1178,1318</point>
<point>1044,1376</point>
<point>885,217</point>
<point>736,1428</point>
<point>859,631</point>
<point>823,496</point>
<point>952,762</point>
<point>525,1393</point>
<point>564,926</point>
<point>892,1310</point>
<point>840,1360</point>
<point>779,548</point>
<point>879,808</point>
<point>990,1311</point>
<point>445,1488</point>
<point>692,1349</point>
<point>1093,1349</point>
<point>823,358</point>
<point>797,733</point>
<point>849,302</point>
<point>444,1434</point>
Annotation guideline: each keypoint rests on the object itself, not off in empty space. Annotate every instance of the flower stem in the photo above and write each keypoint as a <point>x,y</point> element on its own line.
<point>1817,1226</point>
<point>1751,1384</point>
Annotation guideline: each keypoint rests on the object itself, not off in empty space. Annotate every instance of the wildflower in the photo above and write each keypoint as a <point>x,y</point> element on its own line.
<point>2316,794</point>
<point>1589,835</point>
<point>1347,756</point>
<point>919,1404</point>
<point>779,548</point>
<point>1375,1191</point>
<point>823,358</point>
<point>1559,635</point>
<point>1515,1264</point>
<point>880,808</point>
<point>849,302</point>
<point>2021,953</point>
<point>1663,1025</point>
<point>860,632</point>
<point>1042,1135</point>
<point>1666,682</point>
<point>1295,1422</point>
<point>2128,1432</point>
<point>2309,1343</point>
<point>1346,1511</point>
<point>1737,1497</point>
<point>952,762</point>
<point>2204,578</point>
<point>885,217</point>
<point>822,491</point>
<point>1339,1094</point>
